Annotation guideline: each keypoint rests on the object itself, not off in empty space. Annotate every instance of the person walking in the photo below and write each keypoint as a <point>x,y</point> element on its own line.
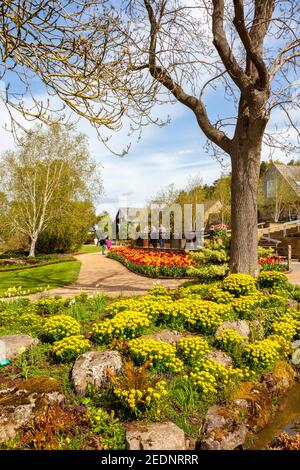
<point>103,245</point>
<point>108,243</point>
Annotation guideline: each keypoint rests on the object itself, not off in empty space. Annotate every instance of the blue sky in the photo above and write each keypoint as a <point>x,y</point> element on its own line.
<point>171,154</point>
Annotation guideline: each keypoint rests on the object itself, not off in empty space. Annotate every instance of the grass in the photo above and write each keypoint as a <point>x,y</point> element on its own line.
<point>55,275</point>
<point>89,249</point>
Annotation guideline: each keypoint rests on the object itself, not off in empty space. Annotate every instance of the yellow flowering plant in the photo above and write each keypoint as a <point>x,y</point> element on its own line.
<point>126,324</point>
<point>70,347</point>
<point>137,391</point>
<point>231,341</point>
<point>161,356</point>
<point>59,326</point>
<point>220,296</point>
<point>239,284</point>
<point>271,279</point>
<point>192,350</point>
<point>262,355</point>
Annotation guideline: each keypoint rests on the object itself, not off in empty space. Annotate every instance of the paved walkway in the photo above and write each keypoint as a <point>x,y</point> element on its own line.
<point>101,274</point>
<point>294,276</point>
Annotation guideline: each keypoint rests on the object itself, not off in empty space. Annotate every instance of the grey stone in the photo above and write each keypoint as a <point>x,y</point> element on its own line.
<point>221,430</point>
<point>168,336</point>
<point>220,357</point>
<point>91,367</point>
<point>12,346</point>
<point>295,344</point>
<point>296,357</point>
<point>22,403</point>
<point>156,436</point>
<point>240,326</point>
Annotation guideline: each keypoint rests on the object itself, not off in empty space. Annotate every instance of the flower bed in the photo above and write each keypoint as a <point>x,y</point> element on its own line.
<point>152,263</point>
<point>273,263</point>
<point>160,380</point>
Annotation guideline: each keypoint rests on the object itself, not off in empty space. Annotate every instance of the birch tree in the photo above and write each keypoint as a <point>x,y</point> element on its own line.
<point>40,179</point>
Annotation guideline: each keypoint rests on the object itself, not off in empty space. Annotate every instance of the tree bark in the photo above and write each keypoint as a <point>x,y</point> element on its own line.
<point>244,190</point>
<point>33,241</point>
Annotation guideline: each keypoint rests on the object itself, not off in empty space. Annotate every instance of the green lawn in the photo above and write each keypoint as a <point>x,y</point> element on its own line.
<point>54,275</point>
<point>89,249</point>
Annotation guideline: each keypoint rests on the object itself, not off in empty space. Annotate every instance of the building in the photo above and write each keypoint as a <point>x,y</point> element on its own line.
<point>138,218</point>
<point>281,191</point>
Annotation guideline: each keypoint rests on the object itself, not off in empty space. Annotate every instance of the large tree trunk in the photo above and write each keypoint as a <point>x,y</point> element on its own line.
<point>33,241</point>
<point>244,195</point>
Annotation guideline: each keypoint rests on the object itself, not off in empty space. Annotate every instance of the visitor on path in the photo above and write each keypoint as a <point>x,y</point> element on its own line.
<point>103,246</point>
<point>162,235</point>
<point>108,243</point>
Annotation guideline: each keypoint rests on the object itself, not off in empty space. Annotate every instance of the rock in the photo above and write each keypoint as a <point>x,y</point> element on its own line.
<point>91,367</point>
<point>222,429</point>
<point>12,346</point>
<point>295,344</point>
<point>296,357</point>
<point>220,357</point>
<point>240,326</point>
<point>291,303</point>
<point>168,336</point>
<point>254,400</point>
<point>156,436</point>
<point>280,380</point>
<point>22,403</point>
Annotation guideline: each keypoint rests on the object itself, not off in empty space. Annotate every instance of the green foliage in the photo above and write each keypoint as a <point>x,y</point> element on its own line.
<point>50,180</point>
<point>137,391</point>
<point>192,350</point>
<point>128,324</point>
<point>209,272</point>
<point>262,355</point>
<point>107,427</point>
<point>239,284</point>
<point>265,252</point>
<point>60,326</point>
<point>68,232</point>
<point>70,347</point>
<point>159,355</point>
<point>271,279</point>
<point>209,255</point>
<point>231,341</point>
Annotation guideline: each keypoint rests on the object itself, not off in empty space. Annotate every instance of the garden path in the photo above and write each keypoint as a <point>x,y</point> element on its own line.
<point>294,276</point>
<point>101,274</point>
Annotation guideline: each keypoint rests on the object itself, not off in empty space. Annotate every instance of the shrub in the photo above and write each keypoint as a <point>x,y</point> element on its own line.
<point>192,351</point>
<point>60,326</point>
<point>206,316</point>
<point>206,384</point>
<point>230,341</point>
<point>49,306</point>
<point>158,291</point>
<point>127,324</point>
<point>245,305</point>
<point>270,279</point>
<point>107,427</point>
<point>161,356</point>
<point>287,326</point>
<point>137,391</point>
<point>239,284</point>
<point>70,347</point>
<point>220,296</point>
<point>208,272</point>
<point>262,355</point>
